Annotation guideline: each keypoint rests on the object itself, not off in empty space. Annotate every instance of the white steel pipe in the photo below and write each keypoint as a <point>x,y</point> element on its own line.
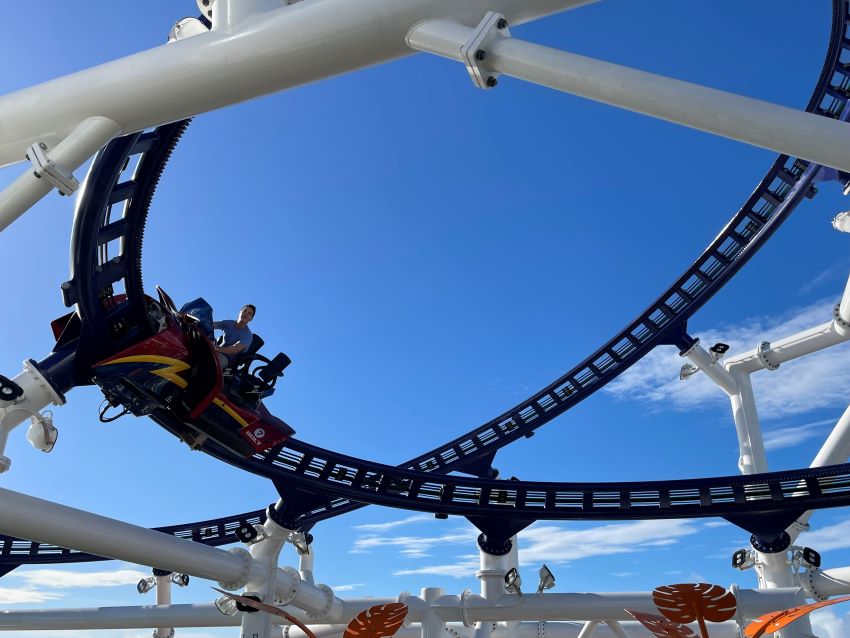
<point>291,46</point>
<point>714,370</point>
<point>831,582</point>
<point>753,459</point>
<point>69,154</point>
<point>589,629</point>
<point>40,520</point>
<point>836,449</point>
<point>43,521</point>
<point>818,139</point>
<point>163,599</point>
<point>598,606</point>
<point>208,616</point>
<point>793,347</point>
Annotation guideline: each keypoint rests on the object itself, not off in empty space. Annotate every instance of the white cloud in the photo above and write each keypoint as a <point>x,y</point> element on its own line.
<point>791,436</point>
<point>827,624</point>
<point>835,536</point>
<point>812,382</point>
<point>411,546</point>
<point>623,574</point>
<point>463,567</point>
<point>713,524</point>
<point>383,527</point>
<point>24,595</point>
<point>64,579</point>
<point>557,544</point>
<point>349,587</point>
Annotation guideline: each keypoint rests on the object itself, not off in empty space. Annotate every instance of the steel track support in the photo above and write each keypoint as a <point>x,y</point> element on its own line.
<point>43,521</point>
<point>28,394</point>
<point>799,134</point>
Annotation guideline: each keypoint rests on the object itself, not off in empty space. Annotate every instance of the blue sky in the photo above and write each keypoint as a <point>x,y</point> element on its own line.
<point>429,254</point>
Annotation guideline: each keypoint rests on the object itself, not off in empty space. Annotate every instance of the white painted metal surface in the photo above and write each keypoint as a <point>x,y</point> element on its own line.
<point>297,44</point>
<point>736,117</point>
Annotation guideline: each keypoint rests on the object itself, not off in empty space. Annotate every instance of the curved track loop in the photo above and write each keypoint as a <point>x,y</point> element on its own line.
<point>663,322</point>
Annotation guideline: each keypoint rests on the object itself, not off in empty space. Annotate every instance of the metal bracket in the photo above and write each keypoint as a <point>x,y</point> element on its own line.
<point>44,166</point>
<point>761,354</point>
<point>474,50</point>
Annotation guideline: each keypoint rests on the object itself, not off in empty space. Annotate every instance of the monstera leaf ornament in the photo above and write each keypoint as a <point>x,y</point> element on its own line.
<point>690,602</point>
<point>776,620</point>
<point>377,621</point>
<point>660,626</point>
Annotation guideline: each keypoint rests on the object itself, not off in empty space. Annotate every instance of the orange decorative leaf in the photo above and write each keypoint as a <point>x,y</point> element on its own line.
<point>776,620</point>
<point>377,621</point>
<point>660,626</point>
<point>269,609</point>
<point>688,602</point>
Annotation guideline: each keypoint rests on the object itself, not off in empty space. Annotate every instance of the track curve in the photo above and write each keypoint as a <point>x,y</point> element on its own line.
<point>97,279</point>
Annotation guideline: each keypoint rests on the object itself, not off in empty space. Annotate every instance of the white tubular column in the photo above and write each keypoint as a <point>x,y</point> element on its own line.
<point>37,395</point>
<point>53,167</point>
<point>739,118</point>
<point>588,629</point>
<point>492,575</point>
<point>163,599</point>
<point>433,626</point>
<point>616,629</point>
<point>753,459</point>
<point>265,551</point>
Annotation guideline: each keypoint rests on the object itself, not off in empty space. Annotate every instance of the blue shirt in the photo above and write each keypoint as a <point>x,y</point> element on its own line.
<point>234,335</point>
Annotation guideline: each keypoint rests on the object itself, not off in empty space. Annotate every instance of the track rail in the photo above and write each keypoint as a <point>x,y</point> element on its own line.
<point>97,279</point>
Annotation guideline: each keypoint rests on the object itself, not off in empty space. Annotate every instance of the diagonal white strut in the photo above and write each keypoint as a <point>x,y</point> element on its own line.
<point>799,134</point>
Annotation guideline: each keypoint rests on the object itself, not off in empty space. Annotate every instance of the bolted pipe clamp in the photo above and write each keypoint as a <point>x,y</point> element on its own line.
<point>329,601</point>
<point>474,51</point>
<point>284,597</point>
<point>247,563</point>
<point>761,354</point>
<point>44,166</point>
<point>836,316</point>
<point>807,582</point>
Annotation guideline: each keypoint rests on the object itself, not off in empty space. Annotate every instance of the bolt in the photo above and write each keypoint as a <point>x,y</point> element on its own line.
<point>481,55</point>
<point>491,82</point>
<point>502,24</point>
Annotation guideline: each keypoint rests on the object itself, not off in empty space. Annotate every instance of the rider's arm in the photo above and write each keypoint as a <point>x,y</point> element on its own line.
<point>236,348</point>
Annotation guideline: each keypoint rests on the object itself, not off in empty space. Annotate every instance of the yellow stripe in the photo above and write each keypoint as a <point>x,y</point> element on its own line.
<point>231,412</point>
<point>171,371</point>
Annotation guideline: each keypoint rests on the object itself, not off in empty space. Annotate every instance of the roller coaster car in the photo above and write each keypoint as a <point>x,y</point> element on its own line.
<point>175,377</point>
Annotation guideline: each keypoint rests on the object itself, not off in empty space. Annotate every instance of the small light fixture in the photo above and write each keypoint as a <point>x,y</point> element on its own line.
<point>226,605</point>
<point>181,580</point>
<point>841,222</point>
<point>718,350</point>
<point>688,370</point>
<point>547,579</point>
<point>513,582</point>
<point>146,584</point>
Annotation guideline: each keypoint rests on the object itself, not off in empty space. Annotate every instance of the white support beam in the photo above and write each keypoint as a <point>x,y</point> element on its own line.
<point>799,134</point>
<point>284,48</point>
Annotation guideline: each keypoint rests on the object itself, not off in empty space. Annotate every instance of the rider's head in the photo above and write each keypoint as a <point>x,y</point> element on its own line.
<point>247,313</point>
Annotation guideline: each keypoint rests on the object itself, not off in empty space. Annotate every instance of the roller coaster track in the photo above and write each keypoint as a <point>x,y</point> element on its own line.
<point>319,484</point>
